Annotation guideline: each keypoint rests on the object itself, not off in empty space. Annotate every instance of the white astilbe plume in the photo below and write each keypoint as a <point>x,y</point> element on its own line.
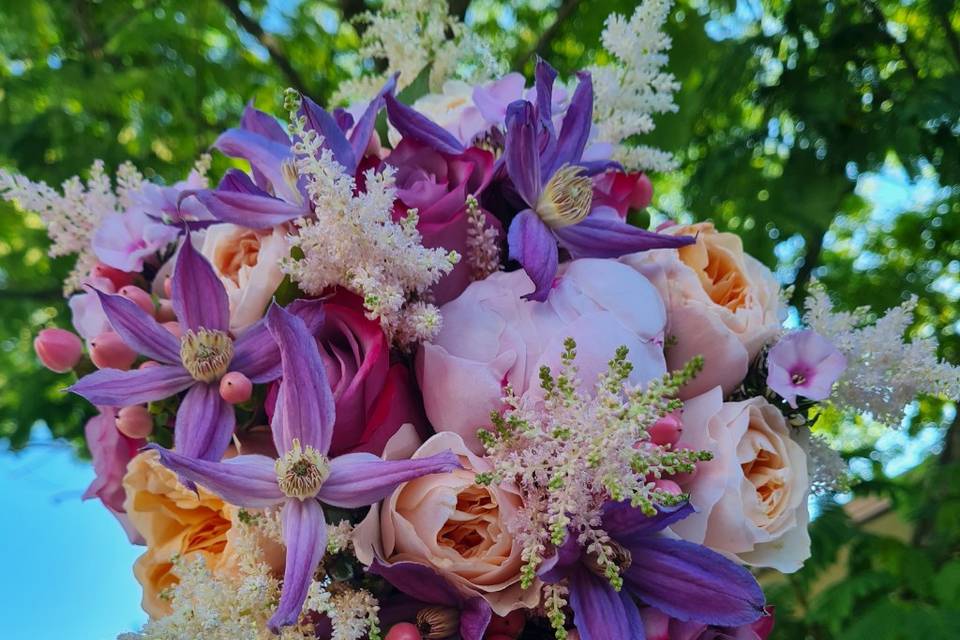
<point>71,217</point>
<point>884,371</point>
<point>353,242</point>
<point>353,613</point>
<point>409,35</point>
<point>634,86</point>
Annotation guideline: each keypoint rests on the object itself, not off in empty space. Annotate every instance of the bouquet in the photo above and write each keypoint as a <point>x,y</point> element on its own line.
<point>412,369</point>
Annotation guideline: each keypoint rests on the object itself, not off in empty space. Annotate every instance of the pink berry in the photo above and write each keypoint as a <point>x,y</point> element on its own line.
<point>165,311</point>
<point>139,296</point>
<point>146,364</point>
<point>134,422</point>
<point>403,631</point>
<point>58,349</point>
<point>117,277</point>
<point>669,486</point>
<point>109,351</point>
<point>642,193</point>
<point>666,430</point>
<point>168,287</point>
<point>509,625</point>
<point>174,328</point>
<point>235,387</point>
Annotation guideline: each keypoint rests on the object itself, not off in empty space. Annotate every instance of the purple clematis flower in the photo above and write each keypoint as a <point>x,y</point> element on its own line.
<point>276,194</point>
<point>684,580</point>
<point>804,363</point>
<point>549,174</point>
<point>302,476</point>
<point>195,362</point>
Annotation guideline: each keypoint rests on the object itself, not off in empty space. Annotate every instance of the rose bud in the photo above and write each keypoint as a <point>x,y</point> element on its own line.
<point>139,296</point>
<point>666,430</point>
<point>134,422</point>
<point>235,387</point>
<point>58,349</point>
<point>109,351</point>
<point>117,277</point>
<point>403,631</point>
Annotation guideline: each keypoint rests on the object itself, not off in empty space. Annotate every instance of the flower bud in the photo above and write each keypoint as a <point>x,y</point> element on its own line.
<point>139,296</point>
<point>134,422</point>
<point>666,430</point>
<point>117,277</point>
<point>146,364</point>
<point>109,351</point>
<point>165,311</point>
<point>235,387</point>
<point>669,486</point>
<point>403,631</point>
<point>58,349</point>
<point>168,287</point>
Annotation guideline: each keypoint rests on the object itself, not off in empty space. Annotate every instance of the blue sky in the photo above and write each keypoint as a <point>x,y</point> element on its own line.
<point>67,571</point>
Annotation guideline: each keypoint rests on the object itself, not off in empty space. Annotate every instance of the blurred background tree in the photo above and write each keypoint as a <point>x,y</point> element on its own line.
<point>826,133</point>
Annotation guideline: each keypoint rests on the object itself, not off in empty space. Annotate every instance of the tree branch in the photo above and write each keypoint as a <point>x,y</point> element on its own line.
<point>811,257</point>
<point>952,39</point>
<point>881,23</point>
<point>564,12</point>
<point>270,43</point>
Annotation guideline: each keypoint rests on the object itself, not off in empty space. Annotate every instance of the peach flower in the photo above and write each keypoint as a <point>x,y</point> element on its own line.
<point>248,263</point>
<point>449,523</point>
<point>751,499</point>
<point>721,303</point>
<point>173,520</point>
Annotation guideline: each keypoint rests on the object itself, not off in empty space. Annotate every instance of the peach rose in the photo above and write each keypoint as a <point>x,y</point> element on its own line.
<point>248,263</point>
<point>174,521</point>
<point>721,303</point>
<point>449,523</point>
<point>751,499</point>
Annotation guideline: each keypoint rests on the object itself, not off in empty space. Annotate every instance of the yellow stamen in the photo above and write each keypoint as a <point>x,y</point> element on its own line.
<point>302,471</point>
<point>206,354</point>
<point>566,198</point>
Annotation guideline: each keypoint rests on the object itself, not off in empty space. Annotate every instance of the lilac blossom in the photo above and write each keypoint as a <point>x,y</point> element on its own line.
<point>276,193</point>
<point>804,363</point>
<point>684,580</point>
<point>551,177</point>
<point>194,363</point>
<point>302,476</point>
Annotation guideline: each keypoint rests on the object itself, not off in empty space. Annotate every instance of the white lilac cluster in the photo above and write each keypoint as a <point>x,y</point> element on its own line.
<point>884,370</point>
<point>634,86</point>
<point>72,217</point>
<point>353,241</point>
<point>410,35</point>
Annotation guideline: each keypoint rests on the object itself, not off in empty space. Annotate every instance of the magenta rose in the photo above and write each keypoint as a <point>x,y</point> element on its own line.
<point>111,452</point>
<point>622,191</point>
<point>373,396</point>
<point>437,185</point>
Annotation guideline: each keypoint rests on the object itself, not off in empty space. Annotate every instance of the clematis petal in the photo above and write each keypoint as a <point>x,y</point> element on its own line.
<point>599,612</point>
<point>115,388</point>
<point>576,125</point>
<point>603,236</point>
<point>564,561</point>
<point>319,120</point>
<point>205,423</point>
<point>475,615</point>
<point>263,154</point>
<point>245,481</point>
<point>305,536</point>
<point>139,330</point>
<point>199,299</point>
<point>256,353</point>
<point>521,153</point>
<point>544,77</point>
<point>263,124</point>
<point>627,524</point>
<point>360,136</point>
<point>360,479</point>
<point>305,405</point>
<point>238,200</point>
<point>416,126</point>
<point>690,582</point>
<point>418,581</point>
<point>532,244</point>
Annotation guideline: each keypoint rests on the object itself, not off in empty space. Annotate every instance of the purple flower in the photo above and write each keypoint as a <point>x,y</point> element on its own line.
<point>549,174</point>
<point>276,193</point>
<point>684,580</point>
<point>303,475</point>
<point>195,362</point>
<point>804,363</point>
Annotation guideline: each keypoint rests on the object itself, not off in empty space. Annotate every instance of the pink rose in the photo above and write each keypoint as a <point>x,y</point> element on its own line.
<point>437,185</point>
<point>751,499</point>
<point>622,191</point>
<point>453,525</point>
<point>721,304</point>
<point>111,452</point>
<point>492,337</point>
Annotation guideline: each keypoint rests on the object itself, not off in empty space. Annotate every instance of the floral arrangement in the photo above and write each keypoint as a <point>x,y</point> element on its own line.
<point>408,371</point>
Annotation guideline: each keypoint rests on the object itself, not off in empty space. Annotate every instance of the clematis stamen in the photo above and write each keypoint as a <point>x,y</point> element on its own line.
<point>302,471</point>
<point>566,198</point>
<point>206,354</point>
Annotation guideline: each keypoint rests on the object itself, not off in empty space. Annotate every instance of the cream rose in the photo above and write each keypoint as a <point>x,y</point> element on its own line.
<point>248,263</point>
<point>449,523</point>
<point>173,520</point>
<point>751,499</point>
<point>722,304</point>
